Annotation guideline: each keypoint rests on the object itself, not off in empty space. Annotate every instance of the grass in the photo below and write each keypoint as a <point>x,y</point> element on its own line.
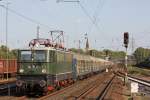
<point>138,71</point>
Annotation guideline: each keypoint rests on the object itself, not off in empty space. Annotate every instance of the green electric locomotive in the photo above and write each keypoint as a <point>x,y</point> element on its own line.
<point>43,69</point>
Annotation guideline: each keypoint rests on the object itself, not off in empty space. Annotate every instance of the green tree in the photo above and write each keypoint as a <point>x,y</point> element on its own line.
<point>6,53</point>
<point>141,54</point>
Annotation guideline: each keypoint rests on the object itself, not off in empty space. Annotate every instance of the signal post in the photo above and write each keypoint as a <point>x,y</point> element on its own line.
<point>126,42</point>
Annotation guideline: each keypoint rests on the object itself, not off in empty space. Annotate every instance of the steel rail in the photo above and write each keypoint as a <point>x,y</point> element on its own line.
<point>139,81</point>
<point>106,89</point>
<point>71,96</point>
<point>92,86</point>
<point>135,79</point>
<point>55,93</point>
<point>102,94</point>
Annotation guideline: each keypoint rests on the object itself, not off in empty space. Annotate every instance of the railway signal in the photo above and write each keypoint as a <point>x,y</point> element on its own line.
<point>126,39</point>
<point>126,42</point>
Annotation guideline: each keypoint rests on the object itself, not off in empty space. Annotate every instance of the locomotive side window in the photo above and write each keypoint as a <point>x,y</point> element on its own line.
<point>52,56</point>
<point>60,57</point>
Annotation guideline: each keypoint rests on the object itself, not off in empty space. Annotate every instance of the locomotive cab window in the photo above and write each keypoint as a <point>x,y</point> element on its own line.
<point>36,55</point>
<point>39,55</point>
<point>26,55</point>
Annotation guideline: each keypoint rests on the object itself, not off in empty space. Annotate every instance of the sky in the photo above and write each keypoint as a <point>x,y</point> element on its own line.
<point>104,21</point>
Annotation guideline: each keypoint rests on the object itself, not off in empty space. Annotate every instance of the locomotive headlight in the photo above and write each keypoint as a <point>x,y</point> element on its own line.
<point>29,67</point>
<point>43,70</point>
<point>21,70</point>
<point>42,83</point>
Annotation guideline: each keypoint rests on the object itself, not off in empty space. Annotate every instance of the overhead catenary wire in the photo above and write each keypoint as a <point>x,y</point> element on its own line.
<point>93,18</point>
<point>88,15</point>
<point>25,17</point>
<point>96,13</point>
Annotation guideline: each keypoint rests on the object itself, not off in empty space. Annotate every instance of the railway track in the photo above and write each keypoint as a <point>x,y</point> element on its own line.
<point>144,85</point>
<point>106,89</point>
<point>94,89</point>
<point>135,79</point>
<point>11,95</point>
<point>8,92</point>
<point>63,93</point>
<point>13,98</point>
<point>6,89</point>
<point>99,91</point>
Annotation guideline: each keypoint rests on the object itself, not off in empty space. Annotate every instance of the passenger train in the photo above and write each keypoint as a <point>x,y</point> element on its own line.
<point>43,69</point>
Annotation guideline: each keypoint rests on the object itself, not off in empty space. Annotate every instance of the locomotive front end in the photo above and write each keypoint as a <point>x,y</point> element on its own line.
<point>32,71</point>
